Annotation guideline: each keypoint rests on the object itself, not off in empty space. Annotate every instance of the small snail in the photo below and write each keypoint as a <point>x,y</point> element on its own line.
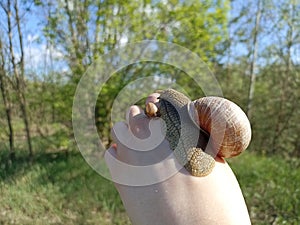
<point>199,130</point>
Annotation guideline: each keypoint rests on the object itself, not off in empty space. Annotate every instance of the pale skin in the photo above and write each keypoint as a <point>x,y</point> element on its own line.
<point>183,198</point>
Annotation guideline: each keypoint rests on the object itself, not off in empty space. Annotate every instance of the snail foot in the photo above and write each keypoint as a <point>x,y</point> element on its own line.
<point>199,163</point>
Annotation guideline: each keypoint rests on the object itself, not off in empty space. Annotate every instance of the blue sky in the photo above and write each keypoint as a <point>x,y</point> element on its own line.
<point>38,53</point>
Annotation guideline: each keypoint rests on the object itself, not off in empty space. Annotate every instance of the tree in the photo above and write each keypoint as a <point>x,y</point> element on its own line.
<point>4,84</point>
<point>261,55</point>
<point>13,20</point>
<point>282,76</point>
<point>83,30</point>
<point>254,58</point>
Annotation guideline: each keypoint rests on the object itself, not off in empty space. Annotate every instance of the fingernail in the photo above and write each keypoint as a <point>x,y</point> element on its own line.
<point>114,146</point>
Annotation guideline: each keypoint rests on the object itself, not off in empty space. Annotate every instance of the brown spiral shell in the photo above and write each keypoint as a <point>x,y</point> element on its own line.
<point>225,122</point>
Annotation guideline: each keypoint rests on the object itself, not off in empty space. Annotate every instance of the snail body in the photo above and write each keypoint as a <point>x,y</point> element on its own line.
<point>200,130</point>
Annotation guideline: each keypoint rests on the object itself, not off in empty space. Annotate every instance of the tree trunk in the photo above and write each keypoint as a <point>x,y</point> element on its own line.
<point>7,106</point>
<point>18,71</point>
<point>22,82</point>
<point>253,61</point>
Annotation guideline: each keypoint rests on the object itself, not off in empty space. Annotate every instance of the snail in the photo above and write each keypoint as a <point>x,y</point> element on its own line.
<point>200,130</point>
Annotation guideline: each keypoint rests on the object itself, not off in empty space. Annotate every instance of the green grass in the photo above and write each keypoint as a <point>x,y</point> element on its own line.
<point>56,189</point>
<point>271,186</point>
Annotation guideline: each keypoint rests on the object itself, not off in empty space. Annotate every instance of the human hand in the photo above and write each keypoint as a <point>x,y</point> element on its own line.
<point>180,199</point>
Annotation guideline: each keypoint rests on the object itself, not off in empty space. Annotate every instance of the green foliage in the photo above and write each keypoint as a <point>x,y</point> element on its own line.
<point>60,189</point>
<point>56,189</point>
<point>54,101</point>
<point>63,189</point>
<point>83,30</point>
<point>274,100</point>
<point>270,186</point>
<point>233,82</point>
<point>274,112</point>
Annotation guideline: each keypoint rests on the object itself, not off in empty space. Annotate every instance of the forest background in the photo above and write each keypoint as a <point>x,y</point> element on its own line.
<point>252,48</point>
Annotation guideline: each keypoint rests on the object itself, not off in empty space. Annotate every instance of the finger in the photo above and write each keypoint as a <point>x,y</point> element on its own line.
<point>114,145</point>
<point>133,111</point>
<point>118,131</point>
<point>152,98</point>
<point>120,134</point>
<point>110,157</point>
<point>111,150</point>
<point>127,142</point>
<point>138,122</point>
<point>152,105</point>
